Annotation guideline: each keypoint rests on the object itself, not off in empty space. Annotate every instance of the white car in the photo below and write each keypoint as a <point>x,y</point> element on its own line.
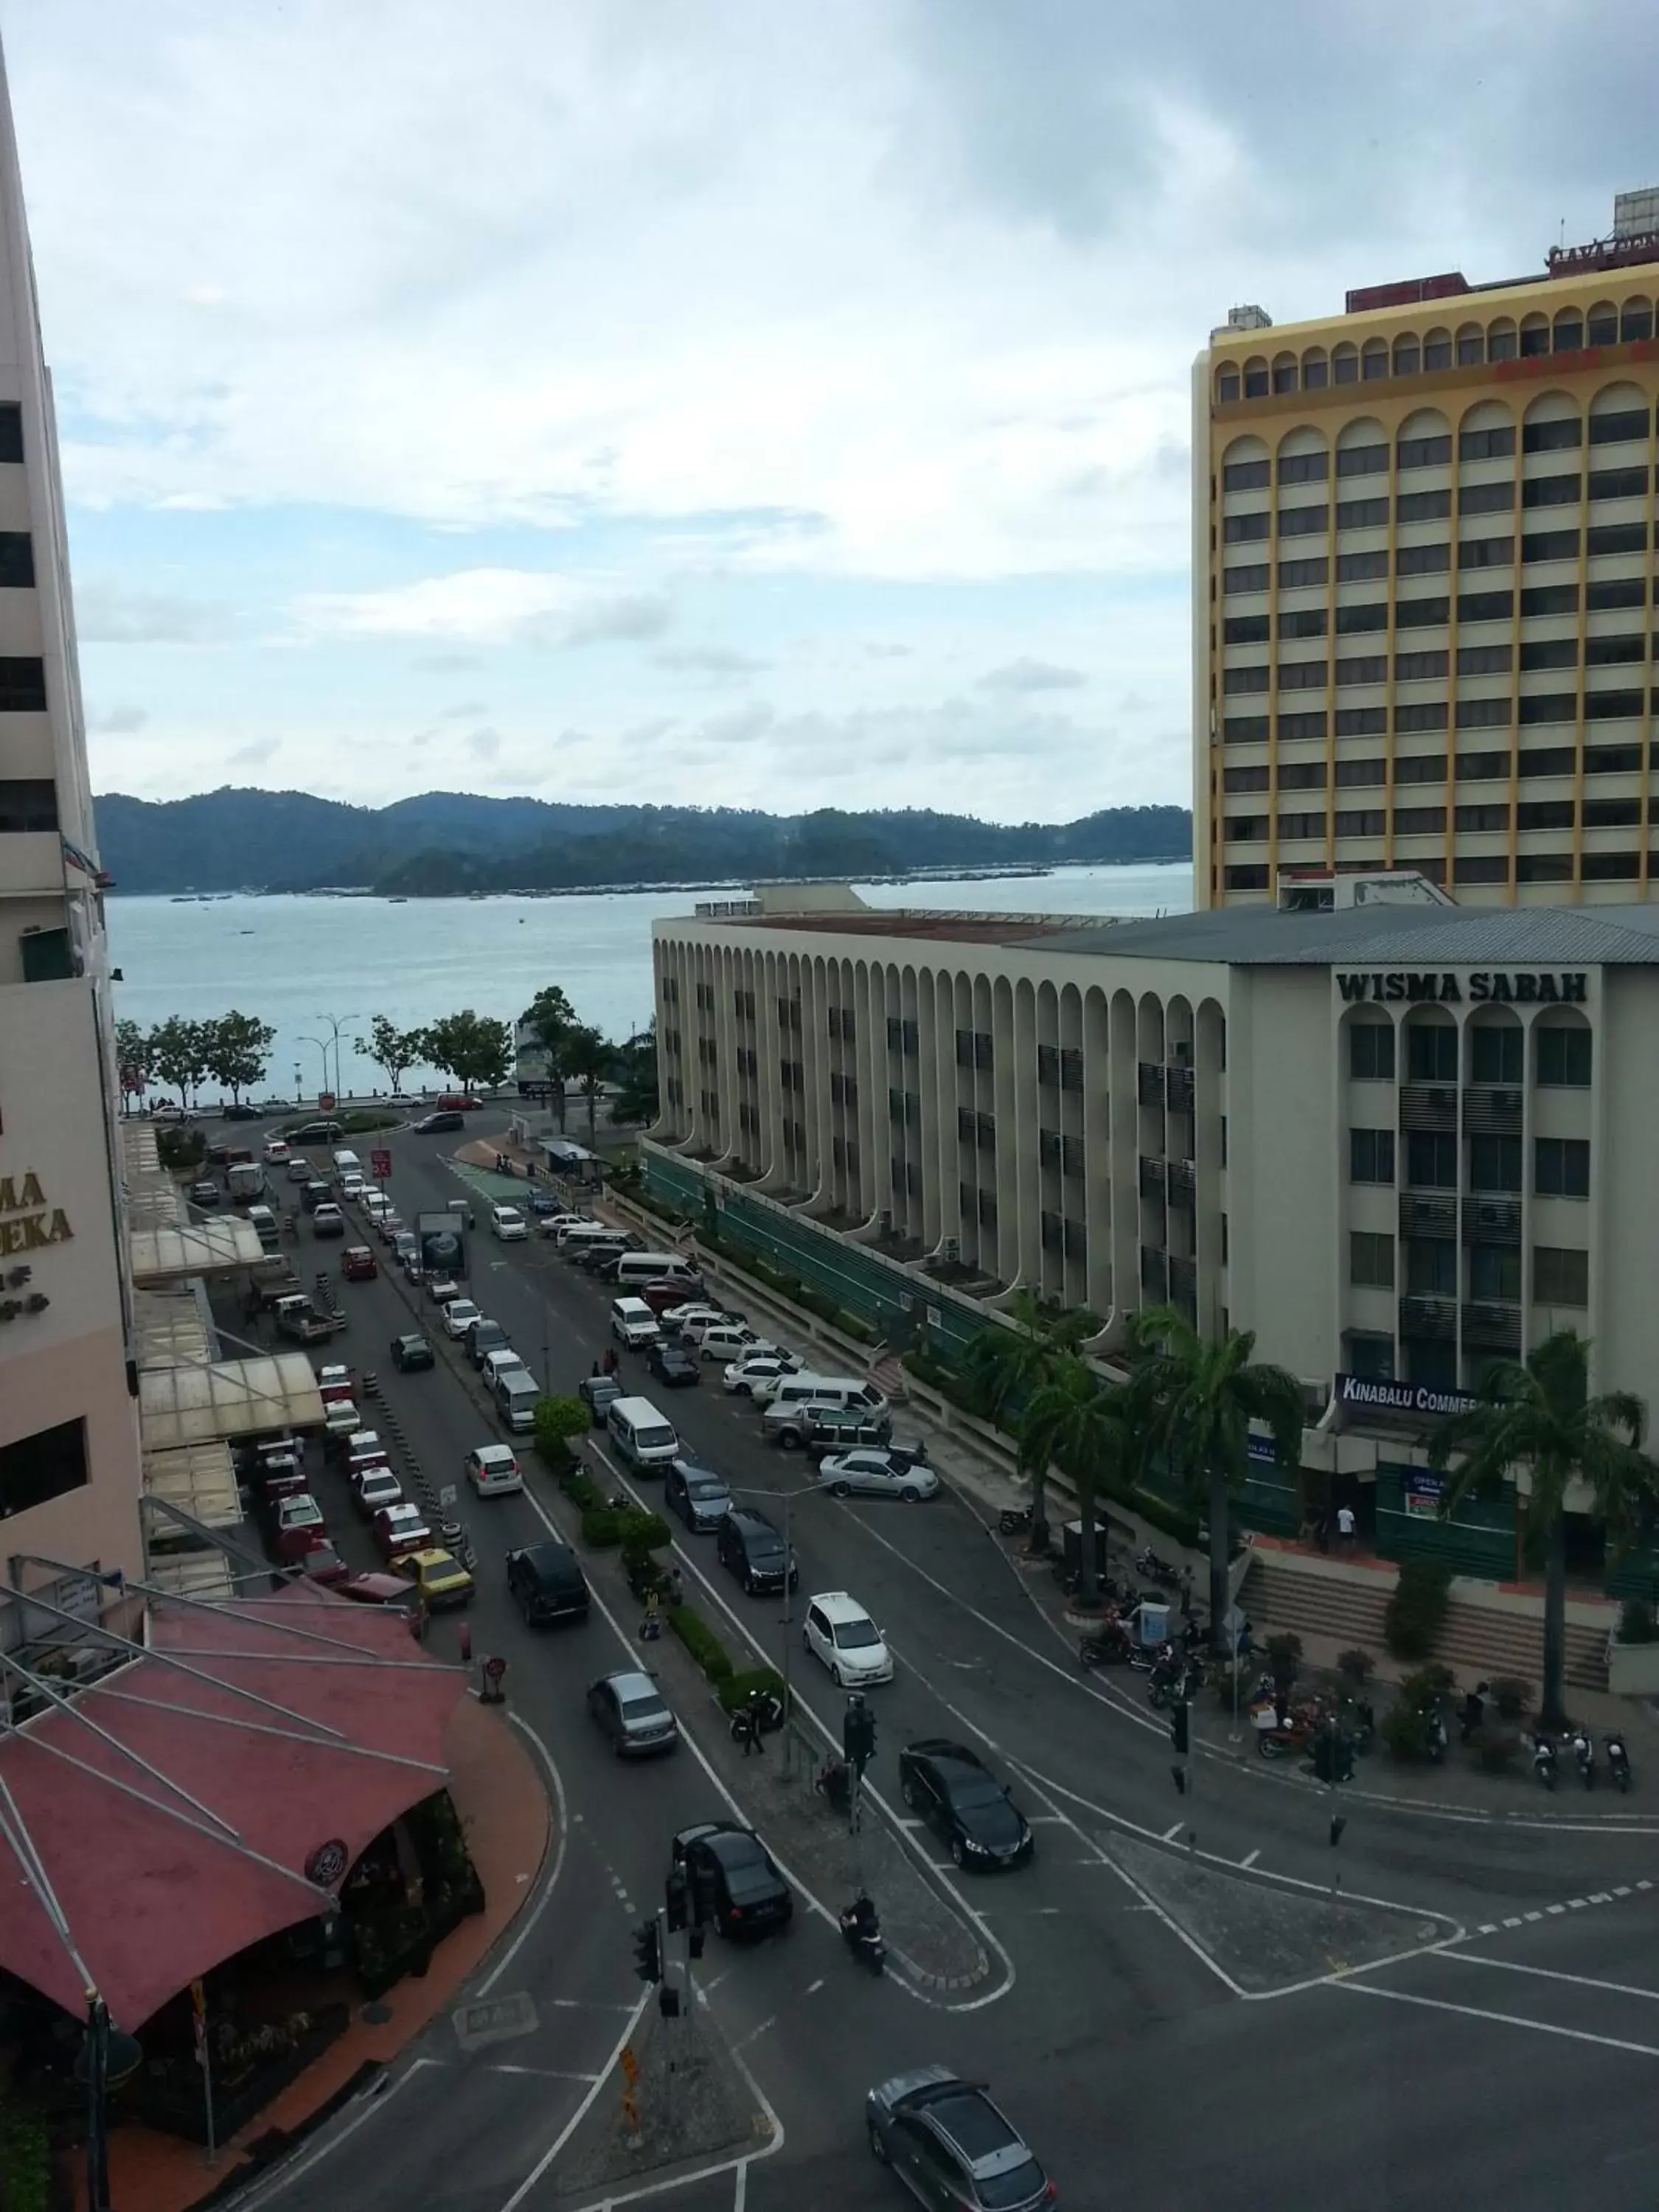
<point>498,1362</point>
<point>555,1225</point>
<point>493,1470</point>
<point>728,1340</point>
<point>377,1487</point>
<point>694,1319</point>
<point>877,1473</point>
<point>741,1376</point>
<point>841,1633</point>
<point>765,1388</point>
<point>509,1224</point>
<point>299,1169</point>
<point>459,1316</point>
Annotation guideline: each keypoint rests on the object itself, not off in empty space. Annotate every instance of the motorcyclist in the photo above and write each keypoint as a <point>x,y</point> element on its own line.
<point>859,1920</point>
<point>1474,1711</point>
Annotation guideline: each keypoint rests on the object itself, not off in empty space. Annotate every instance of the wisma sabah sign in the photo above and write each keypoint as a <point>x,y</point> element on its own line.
<point>1523,986</point>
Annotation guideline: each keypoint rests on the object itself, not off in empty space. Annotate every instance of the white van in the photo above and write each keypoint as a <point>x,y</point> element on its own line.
<point>277,1151</point>
<point>633,1323</point>
<point>500,1362</point>
<point>515,1391</point>
<point>347,1164</point>
<point>574,1242</point>
<point>507,1223</point>
<point>657,1267</point>
<point>265,1223</point>
<point>805,1389</point>
<point>645,1437</point>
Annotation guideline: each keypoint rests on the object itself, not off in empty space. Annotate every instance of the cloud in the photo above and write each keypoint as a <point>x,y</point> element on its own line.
<point>876,650</point>
<point>116,722</point>
<point>637,616</point>
<point>1025,675</point>
<point>110,612</point>
<point>484,744</point>
<point>445,663</point>
<point>465,712</point>
<point>717,660</point>
<point>254,755</point>
<point>491,606</point>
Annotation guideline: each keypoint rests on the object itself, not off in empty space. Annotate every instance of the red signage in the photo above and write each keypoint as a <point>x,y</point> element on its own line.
<point>380,1161</point>
<point>324,1101</point>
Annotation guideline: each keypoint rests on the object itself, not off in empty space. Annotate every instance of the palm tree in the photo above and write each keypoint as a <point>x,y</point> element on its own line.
<point>1007,1366</point>
<point>1075,1422</point>
<point>588,1056</point>
<point>1541,1416</point>
<point>1196,1400</point>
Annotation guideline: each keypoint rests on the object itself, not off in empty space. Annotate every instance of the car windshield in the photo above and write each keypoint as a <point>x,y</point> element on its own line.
<point>765,1546</point>
<point>855,1635</point>
<point>643,1709</point>
<point>1018,2186</point>
<point>974,1790</point>
<point>705,1485</point>
<point>653,1439</point>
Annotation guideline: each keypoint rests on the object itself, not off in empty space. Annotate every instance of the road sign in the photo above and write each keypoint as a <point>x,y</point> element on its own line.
<point>446,1495</point>
<point>380,1161</point>
<point>495,1667</point>
<point>630,2066</point>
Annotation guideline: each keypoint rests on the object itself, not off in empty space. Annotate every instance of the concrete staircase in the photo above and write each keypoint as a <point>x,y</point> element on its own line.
<point>1487,1631</point>
<point>887,1373</point>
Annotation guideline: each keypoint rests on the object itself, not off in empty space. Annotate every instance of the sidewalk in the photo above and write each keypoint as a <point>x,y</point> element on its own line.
<point>504,1809</point>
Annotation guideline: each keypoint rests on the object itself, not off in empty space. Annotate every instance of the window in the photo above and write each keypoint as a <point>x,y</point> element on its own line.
<point>1303,522</point>
<point>1350,621</point>
<point>1432,1267</point>
<point>1316,373</point>
<point>902,1036</point>
<point>1561,1167</point>
<point>1244,679</point>
<point>1611,706</point>
<point>1436,351</point>
<point>22,686</point>
<point>1550,599</point>
<point>1560,1277</point>
<point>1546,706</point>
<point>1370,1154</point>
<point>1601,326</point>
<point>1362,514</point>
<point>1362,460</point>
<point>1301,775</point>
<point>1551,545</point>
<point>1564,1058</point>
<point>1371,1355</point>
<point>1421,614</point>
<point>1500,343</point>
<point>1370,1261</point>
<point>1371,668</point>
<point>1244,779</point>
<point>1544,868</point>
<point>1606,760</point>
<point>1418,821</point>
<point>1244,729</point>
<point>1569,334</point>
<point>1344,364</point>
<point>1299,575</point>
<point>1226,391</point>
<point>1361,721</point>
<point>1616,592</point>
<point>1370,1052</point>
<point>1615,426</point>
<point>1245,630</point>
<point>1303,621</point>
<point>1302,676</point>
<point>1544,814</point>
<point>1481,768</point>
<point>1432,716</point>
<point>1302,726</point>
<point>1247,829</point>
<point>1424,453</point>
<point>1480,868</point>
<point>1485,445</point>
<point>1485,499</point>
<point>1495,1054</point>
<point>1485,606</point>
<point>26,804</point>
<point>1483,818</point>
<point>1419,667</point>
<point>1242,529</point>
<point>1485,552</point>
<point>1551,437</point>
<point>1431,1052</point>
<point>1301,826</point>
<point>1608,652</point>
<point>1495,1272</point>
<point>1636,320</point>
<point>1549,652</point>
<point>1362,822</point>
<point>1407,359</point>
<point>1356,773</point>
<point>1615,537</point>
<point>1612,813</point>
<point>17,560</point>
<point>1423,506</point>
<point>973,1048</point>
<point>1618,483</point>
<point>1362,567</point>
<point>47,1465</point>
<point>1419,768</point>
<point>11,431</point>
<point>1244,476</point>
<point>1484,660</point>
<point>1250,877</point>
<point>1244,580</point>
<point>1610,867</point>
<point>1303,468</point>
<point>1422,561</point>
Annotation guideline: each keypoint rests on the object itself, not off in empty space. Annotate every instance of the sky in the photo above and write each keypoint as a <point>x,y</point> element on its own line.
<point>717,401</point>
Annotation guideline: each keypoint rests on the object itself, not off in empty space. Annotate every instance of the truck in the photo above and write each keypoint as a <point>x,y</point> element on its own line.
<point>298,1319</point>
<point>246,1180</point>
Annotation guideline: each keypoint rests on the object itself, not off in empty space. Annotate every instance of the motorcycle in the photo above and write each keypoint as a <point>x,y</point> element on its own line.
<point>862,1933</point>
<point>1014,1520</point>
<point>1151,1569</point>
<point>1177,1684</point>
<point>834,1781</point>
<point>1583,1756</point>
<point>1436,1738</point>
<point>1619,1762</point>
<point>1111,1646</point>
<point>1543,1761</point>
<point>1473,1713</point>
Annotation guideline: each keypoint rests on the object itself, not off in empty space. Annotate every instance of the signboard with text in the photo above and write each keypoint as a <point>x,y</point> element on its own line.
<point>1377,1393</point>
<point>380,1161</point>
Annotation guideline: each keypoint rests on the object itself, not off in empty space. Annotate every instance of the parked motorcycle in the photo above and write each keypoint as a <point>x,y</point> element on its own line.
<point>1543,1761</point>
<point>860,1931</point>
<point>1110,1646</point>
<point>1151,1569</point>
<point>1436,1737</point>
<point>1583,1756</point>
<point>1619,1762</point>
<point>1014,1520</point>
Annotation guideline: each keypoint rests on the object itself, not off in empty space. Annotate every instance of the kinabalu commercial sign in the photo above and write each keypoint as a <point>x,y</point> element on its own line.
<point>1374,1393</point>
<point>1523,986</point>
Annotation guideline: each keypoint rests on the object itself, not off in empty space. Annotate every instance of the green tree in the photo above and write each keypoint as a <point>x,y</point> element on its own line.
<point>1005,1366</point>
<point>177,1053</point>
<point>393,1049</point>
<point>551,1019</point>
<point>1540,1415</point>
<point>237,1048</point>
<point>472,1047</point>
<point>1195,1399</point>
<point>589,1057</point>
<point>1074,1421</point>
<point>131,1060</point>
<point>637,1103</point>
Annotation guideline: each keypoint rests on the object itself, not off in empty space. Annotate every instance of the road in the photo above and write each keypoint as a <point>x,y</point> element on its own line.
<point>1178,2003</point>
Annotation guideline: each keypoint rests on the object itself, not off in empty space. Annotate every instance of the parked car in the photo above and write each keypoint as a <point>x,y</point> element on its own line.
<point>542,1203</point>
<point>493,1470</point>
<point>440,1289</point>
<point>829,1429</point>
<point>509,1224</point>
<point>323,1564</point>
<point>633,1324</point>
<point>405,1246</point>
<point>632,1712</point>
<point>314,1194</point>
<point>547,1583</point>
<point>460,1314</point>
<point>661,1296</point>
<point>752,1550</point>
<point>358,1264</point>
<point>316,1132</point>
<point>727,1340</point>
<point>840,1633</point>
<point>410,1353</point>
<point>497,1362</point>
<point>696,1493</point>
<point>240,1110</point>
<point>299,1524</point>
<point>555,1225</point>
<point>949,1787</point>
<point>327,1220</point>
<point>457,1101</point>
<point>877,1475</point>
<point>950,2145</point>
<point>400,1529</point>
<point>434,1125</point>
<point>439,1576</point>
<point>750,1894</point>
<point>375,1488</point>
<point>758,1367</point>
<point>599,1393</point>
<point>673,1364</point>
<point>484,1337</point>
<point>205,1193</point>
<point>299,1169</point>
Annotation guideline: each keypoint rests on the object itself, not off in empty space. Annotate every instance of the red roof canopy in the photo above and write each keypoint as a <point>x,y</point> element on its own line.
<point>171,1818</point>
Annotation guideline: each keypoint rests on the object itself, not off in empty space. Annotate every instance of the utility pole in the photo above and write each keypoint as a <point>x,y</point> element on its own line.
<point>335,1022</point>
<point>788,1639</point>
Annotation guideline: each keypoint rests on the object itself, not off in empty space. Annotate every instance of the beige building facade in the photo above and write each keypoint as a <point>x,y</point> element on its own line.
<point>1422,548</point>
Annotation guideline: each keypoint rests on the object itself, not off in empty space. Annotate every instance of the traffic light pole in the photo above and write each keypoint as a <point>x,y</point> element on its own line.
<point>668,2079</point>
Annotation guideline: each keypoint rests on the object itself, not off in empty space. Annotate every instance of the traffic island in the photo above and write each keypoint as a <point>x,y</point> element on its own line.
<point>676,2094</point>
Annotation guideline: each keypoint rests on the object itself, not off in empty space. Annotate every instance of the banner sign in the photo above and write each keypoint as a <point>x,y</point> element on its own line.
<point>1376,1394</point>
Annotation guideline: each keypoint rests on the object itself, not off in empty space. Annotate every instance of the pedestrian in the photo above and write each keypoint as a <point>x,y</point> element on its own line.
<point>1243,1645</point>
<point>1186,1593</point>
<point>676,1587</point>
<point>611,1362</point>
<point>596,1370</point>
<point>1344,1526</point>
<point>1323,1529</point>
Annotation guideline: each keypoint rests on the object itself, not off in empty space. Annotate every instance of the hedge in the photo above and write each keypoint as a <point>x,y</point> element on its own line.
<point>25,2160</point>
<point>583,1493</point>
<point>602,1528</point>
<point>1417,1611</point>
<point>701,1641</point>
<point>737,1689</point>
<point>642,1532</point>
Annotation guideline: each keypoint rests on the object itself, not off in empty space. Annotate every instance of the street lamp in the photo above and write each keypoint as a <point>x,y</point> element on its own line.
<point>322,1048</point>
<point>335,1022</point>
<point>789,1498</point>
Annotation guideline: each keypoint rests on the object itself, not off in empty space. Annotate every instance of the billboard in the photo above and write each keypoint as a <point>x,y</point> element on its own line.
<point>443,1242</point>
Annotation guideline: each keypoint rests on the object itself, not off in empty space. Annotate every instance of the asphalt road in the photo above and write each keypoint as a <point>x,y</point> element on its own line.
<point>1178,2005</point>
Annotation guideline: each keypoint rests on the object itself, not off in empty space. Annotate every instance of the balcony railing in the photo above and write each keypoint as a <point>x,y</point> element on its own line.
<point>1489,1111</point>
<point>1154,1274</point>
<point>1150,1083</point>
<point>1492,1327</point>
<point>1428,1106</point>
<point>1428,1317</point>
<point>1492,1221</point>
<point>1428,1213</point>
<point>1181,1182</point>
<point>1178,1085</point>
<point>1151,1177</point>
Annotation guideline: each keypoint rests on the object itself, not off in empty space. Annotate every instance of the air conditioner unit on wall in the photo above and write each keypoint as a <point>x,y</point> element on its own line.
<point>950,1250</point>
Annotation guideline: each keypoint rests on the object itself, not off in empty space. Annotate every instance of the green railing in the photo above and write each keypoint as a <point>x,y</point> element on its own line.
<point>1478,1539</point>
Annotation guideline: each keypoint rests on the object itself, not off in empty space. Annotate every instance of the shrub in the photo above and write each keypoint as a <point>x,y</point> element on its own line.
<point>1637,1622</point>
<point>583,1493</point>
<point>1284,1656</point>
<point>701,1641</point>
<point>1428,1684</point>
<point>1220,1680</point>
<point>640,1534</point>
<point>601,1527</point>
<point>25,2160</point>
<point>1511,1697</point>
<point>1404,1728</point>
<point>559,1421</point>
<point>179,1150</point>
<point>736,1688</point>
<point>1354,1667</point>
<point>1417,1611</point>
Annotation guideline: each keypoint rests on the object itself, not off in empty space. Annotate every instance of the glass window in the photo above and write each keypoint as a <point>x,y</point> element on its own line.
<point>1431,1267</point>
<point>1418,821</point>
<point>1535,339</point>
<point>1610,867</point>
<point>1495,1163</point>
<point>1485,552</point>
<point>1483,713</point>
<point>1605,760</point>
<point>1429,717</point>
<point>1561,1167</point>
<point>1550,599</point>
<point>1302,775</point>
<point>1486,445</point>
<point>38,1467</point>
<point>28,804</point>
<point>1612,537</point>
<point>1619,426</point>
<point>1361,513</point>
<point>1549,652</point>
<point>1544,868</point>
<point>1437,350</point>
<point>1618,483</point>
<point>1407,359</point>
<point>22,686</point>
<point>1564,1058</point>
<point>1481,768</point>
<point>1302,676</point>
<point>1370,1261</point>
<point>1245,779</point>
<point>1484,499</point>
<point>1431,1052</point>
<point>17,560</point>
<point>1240,529</point>
<point>1303,621</point>
<point>1301,826</point>
<point>1544,814</point>
<point>1250,875</point>
<point>1284,376</point>
<point>1344,364</point>
<point>1361,721</point>
<point>1551,437</point>
<point>1480,868</point>
<point>1366,668</point>
<point>1495,1051</point>
<point>1609,651</point>
<point>1484,606</point>
<point>1375,359</point>
<point>1245,630</point>
<point>1560,1277</point>
<point>1424,453</point>
<point>1362,822</point>
<point>1316,373</point>
<point>1421,614</point>
<point>1552,491</point>
<point>1357,775</point>
<point>1569,334</point>
<point>1362,567</point>
<point>1601,326</point>
<point>1495,1272</point>
<point>1244,679</point>
<point>1557,545</point>
<point>1350,621</point>
<point>1423,506</point>
<point>1471,348</point>
<point>1421,768</point>
<point>1484,660</point>
<point>1615,591</point>
<point>1244,730</point>
<point>1362,460</point>
<point>1422,560</point>
<point>1299,575</point>
<point>1251,578</point>
<point>1483,818</point>
<point>1245,476</point>
<point>1419,667</point>
<point>1611,706</point>
<point>1303,468</point>
<point>1501,343</point>
<point>1302,726</point>
<point>1370,1052</point>
<point>1255,381</point>
<point>1303,521</point>
<point>1226,386</point>
<point>1636,321</point>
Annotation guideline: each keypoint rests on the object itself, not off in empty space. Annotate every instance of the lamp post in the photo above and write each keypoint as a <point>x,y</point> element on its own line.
<point>789,1498</point>
<point>323,1048</point>
<point>335,1022</point>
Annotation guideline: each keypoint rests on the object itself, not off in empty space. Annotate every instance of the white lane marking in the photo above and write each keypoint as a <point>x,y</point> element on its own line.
<point>755,2034</point>
<point>813,1988</point>
<point>1171,1833</point>
<point>583,2108</point>
<point>1502,2019</point>
<point>736,2166</point>
<point>741,2194</point>
<point>541,2072</point>
<point>1250,1858</point>
<point>540,1906</point>
<point>1552,1974</point>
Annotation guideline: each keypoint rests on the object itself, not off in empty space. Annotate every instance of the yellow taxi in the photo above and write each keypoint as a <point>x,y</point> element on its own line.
<point>440,1577</point>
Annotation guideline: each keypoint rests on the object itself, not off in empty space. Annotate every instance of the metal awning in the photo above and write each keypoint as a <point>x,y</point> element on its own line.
<point>193,1405</point>
<point>197,1477</point>
<point>203,1575</point>
<point>168,1254</point>
<point>170,1329</point>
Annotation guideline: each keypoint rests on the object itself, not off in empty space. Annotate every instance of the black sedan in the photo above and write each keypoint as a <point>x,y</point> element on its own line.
<point>241,1110</point>
<point>204,1193</point>
<point>673,1364</point>
<point>433,1124</point>
<point>732,1870</point>
<point>409,1353</point>
<point>965,1804</point>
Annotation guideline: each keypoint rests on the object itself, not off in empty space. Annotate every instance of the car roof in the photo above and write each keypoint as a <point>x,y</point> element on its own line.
<point>838,1605</point>
<point>989,2143</point>
<point>750,1517</point>
<point>944,1753</point>
<point>412,1337</point>
<point>630,1682</point>
<point>492,1451</point>
<point>550,1553</point>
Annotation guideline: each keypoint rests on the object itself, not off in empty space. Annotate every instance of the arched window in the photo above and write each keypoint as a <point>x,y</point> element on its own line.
<point>1284,372</point>
<point>1245,466</point>
<point>1535,336</point>
<point>1569,333</point>
<point>1227,383</point>
<point>1345,363</point>
<point>1552,425</point>
<point>1486,432</point>
<point>1502,341</point>
<point>1255,378</point>
<point>1471,346</point>
<point>1375,359</point>
<point>1425,439</point>
<point>1619,414</point>
<point>1602,324</point>
<point>1304,457</point>
<point>1438,350</point>
<point>1636,321</point>
<point>1316,370</point>
<point>1407,354</point>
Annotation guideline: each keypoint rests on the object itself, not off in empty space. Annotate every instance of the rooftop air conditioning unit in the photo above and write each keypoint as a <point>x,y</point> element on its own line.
<point>950,1250</point>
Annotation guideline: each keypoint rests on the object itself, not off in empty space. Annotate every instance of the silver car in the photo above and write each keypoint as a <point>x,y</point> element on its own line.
<point>949,2144</point>
<point>628,1706</point>
<point>877,1473</point>
<point>696,1494</point>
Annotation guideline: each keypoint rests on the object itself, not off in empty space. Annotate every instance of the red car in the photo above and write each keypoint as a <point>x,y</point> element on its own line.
<point>377,1589</point>
<point>301,1527</point>
<point>335,1384</point>
<point>400,1529</point>
<point>358,1264</point>
<point>659,1297</point>
<point>457,1101</point>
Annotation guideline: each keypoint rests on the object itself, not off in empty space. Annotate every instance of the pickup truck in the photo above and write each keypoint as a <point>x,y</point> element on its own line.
<point>299,1320</point>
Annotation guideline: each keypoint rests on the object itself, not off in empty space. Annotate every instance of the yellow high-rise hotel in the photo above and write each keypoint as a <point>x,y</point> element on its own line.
<point>1422,548</point>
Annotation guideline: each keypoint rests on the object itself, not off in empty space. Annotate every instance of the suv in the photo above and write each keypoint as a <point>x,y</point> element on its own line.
<point>753,1551</point>
<point>316,1132</point>
<point>950,2145</point>
<point>547,1583</point>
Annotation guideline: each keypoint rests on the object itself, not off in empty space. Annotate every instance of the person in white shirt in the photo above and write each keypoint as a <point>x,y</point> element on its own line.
<point>1344,1526</point>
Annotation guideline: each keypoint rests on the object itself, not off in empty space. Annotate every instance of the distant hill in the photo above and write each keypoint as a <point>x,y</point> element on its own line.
<point>446,843</point>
